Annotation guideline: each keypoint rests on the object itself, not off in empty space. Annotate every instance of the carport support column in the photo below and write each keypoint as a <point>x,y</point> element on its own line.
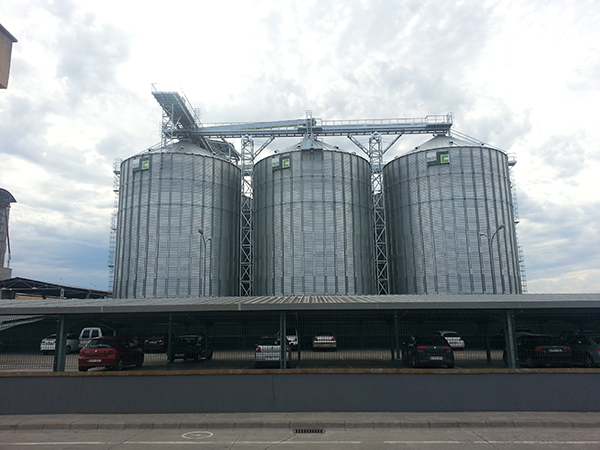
<point>396,351</point>
<point>282,341</point>
<point>509,335</point>
<point>169,340</point>
<point>60,349</point>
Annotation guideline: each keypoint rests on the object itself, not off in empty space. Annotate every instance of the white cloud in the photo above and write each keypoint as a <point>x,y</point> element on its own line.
<point>518,75</point>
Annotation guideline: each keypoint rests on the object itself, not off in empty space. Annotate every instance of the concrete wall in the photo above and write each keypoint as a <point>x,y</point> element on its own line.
<point>122,393</point>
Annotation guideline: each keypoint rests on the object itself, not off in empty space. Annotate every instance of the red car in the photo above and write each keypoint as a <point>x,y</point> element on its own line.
<point>110,352</point>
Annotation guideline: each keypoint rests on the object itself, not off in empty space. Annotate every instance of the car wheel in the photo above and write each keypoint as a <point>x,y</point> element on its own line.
<point>120,364</point>
<point>210,354</point>
<point>413,361</point>
<point>450,366</point>
<point>529,362</point>
<point>588,361</point>
<point>83,369</point>
<point>171,359</point>
<point>404,358</point>
<point>139,363</point>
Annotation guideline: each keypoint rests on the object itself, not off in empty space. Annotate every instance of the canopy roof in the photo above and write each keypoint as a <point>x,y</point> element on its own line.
<point>43,289</point>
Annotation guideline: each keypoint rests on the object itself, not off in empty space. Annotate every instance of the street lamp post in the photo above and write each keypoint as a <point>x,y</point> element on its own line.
<point>490,242</point>
<point>203,265</point>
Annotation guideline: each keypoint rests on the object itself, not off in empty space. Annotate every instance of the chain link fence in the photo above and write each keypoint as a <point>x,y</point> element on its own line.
<point>354,339</point>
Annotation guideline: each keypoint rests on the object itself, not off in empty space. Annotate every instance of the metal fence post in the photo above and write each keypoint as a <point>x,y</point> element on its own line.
<point>282,341</point>
<point>509,335</point>
<point>170,341</point>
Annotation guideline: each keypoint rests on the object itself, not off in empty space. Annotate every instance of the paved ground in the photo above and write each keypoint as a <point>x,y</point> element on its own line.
<point>305,431</point>
<point>303,421</point>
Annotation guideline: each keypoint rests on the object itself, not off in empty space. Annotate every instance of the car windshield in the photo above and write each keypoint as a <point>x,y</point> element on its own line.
<point>100,343</point>
<point>430,340</point>
<point>269,341</point>
<point>324,333</point>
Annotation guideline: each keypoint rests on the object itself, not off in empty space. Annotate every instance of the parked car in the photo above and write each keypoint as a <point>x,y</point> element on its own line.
<point>48,344</point>
<point>110,352</point>
<point>268,352</point>
<point>139,340</point>
<point>155,344</point>
<point>90,333</point>
<point>455,341</point>
<point>427,350</point>
<point>543,350</point>
<point>586,349</point>
<point>324,340</point>
<point>190,346</point>
<point>292,337</point>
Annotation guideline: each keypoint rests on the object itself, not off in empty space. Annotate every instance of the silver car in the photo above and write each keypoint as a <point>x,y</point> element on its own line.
<point>455,341</point>
<point>586,349</point>
<point>324,340</point>
<point>268,352</point>
<point>48,344</point>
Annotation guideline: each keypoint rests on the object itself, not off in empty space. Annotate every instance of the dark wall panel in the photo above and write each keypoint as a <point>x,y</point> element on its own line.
<point>210,393</point>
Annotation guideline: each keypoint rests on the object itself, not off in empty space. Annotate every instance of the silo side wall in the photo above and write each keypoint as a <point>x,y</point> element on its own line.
<point>4,215</point>
<point>313,225</point>
<point>164,199</point>
<point>435,214</point>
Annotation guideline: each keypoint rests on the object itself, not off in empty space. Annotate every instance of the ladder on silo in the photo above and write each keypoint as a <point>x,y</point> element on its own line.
<point>113,223</point>
<point>512,160</point>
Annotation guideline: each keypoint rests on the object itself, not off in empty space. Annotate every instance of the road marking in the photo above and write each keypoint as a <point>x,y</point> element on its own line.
<point>197,435</point>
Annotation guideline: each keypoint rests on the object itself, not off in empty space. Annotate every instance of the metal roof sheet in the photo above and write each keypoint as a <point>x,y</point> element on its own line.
<point>301,303</point>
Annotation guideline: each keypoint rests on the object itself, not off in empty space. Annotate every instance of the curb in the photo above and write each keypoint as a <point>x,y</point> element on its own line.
<point>298,426</point>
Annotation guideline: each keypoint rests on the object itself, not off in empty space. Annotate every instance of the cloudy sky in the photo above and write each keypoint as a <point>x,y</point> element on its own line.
<point>523,76</point>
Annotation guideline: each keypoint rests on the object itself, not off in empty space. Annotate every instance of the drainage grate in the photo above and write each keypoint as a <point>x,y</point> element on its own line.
<point>309,430</point>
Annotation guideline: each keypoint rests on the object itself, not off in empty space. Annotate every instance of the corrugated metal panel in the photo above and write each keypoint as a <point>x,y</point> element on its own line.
<point>435,214</point>
<point>314,225</point>
<point>161,208</point>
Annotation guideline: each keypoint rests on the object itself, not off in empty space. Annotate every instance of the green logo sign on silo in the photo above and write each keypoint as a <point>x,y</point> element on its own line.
<point>144,164</point>
<point>282,162</point>
<point>434,158</point>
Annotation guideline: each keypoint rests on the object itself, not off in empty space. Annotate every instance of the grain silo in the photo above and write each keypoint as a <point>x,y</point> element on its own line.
<point>6,198</point>
<point>178,225</point>
<point>313,223</point>
<point>450,220</point>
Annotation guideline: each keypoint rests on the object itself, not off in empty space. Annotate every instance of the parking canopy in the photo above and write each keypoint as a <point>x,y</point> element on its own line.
<point>14,287</point>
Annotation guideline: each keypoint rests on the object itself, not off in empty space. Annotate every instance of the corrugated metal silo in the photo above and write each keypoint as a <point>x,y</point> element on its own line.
<point>165,197</point>
<point>313,223</point>
<point>450,220</point>
<point>6,198</point>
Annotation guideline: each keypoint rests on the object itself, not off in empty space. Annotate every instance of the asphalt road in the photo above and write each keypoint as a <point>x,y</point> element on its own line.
<point>354,439</point>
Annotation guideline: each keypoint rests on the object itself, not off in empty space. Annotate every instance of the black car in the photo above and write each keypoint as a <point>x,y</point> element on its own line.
<point>427,350</point>
<point>190,346</point>
<point>535,350</point>
<point>155,344</point>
